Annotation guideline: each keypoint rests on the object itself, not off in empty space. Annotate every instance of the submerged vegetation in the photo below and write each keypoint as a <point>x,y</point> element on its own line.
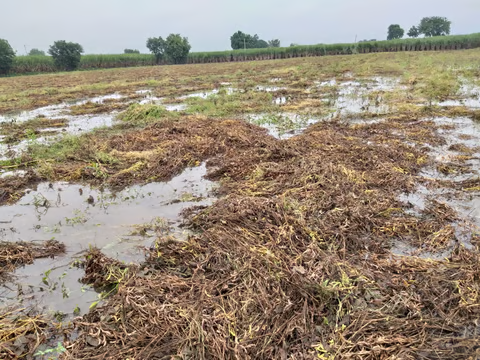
<point>344,239</point>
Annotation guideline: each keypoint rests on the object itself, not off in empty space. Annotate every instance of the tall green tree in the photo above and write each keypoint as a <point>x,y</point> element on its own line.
<point>66,55</point>
<point>434,26</point>
<point>177,48</point>
<point>7,56</point>
<point>36,52</point>
<point>395,32</point>
<point>413,32</point>
<point>274,43</point>
<point>240,40</point>
<point>156,45</point>
<point>260,44</point>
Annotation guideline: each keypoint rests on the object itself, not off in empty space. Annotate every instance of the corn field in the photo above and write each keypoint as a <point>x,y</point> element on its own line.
<point>38,64</point>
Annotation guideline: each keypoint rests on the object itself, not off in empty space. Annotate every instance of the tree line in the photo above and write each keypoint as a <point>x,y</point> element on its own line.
<point>67,55</point>
<point>240,40</point>
<point>174,49</point>
<point>429,26</point>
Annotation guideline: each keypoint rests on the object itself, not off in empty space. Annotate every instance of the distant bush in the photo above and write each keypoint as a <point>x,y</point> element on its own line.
<point>36,52</point>
<point>7,56</point>
<point>66,55</point>
<point>131,51</point>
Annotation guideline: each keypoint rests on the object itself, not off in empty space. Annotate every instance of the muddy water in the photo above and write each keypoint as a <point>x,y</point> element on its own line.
<point>284,125</point>
<point>120,224</point>
<point>353,96</point>
<point>466,132</point>
<point>55,111</point>
<point>269,88</point>
<point>470,97</point>
<point>77,124</point>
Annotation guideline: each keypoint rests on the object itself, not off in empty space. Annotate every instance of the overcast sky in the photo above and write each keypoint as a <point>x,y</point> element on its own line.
<point>109,26</point>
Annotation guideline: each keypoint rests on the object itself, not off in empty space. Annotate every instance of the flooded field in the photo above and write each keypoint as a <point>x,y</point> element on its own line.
<point>121,224</point>
<point>305,208</point>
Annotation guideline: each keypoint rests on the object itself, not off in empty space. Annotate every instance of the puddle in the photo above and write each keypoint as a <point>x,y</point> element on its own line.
<point>175,107</point>
<point>464,133</point>
<point>18,173</point>
<point>470,97</point>
<point>76,125</point>
<point>284,125</point>
<point>206,94</point>
<point>365,121</point>
<point>63,211</point>
<point>150,99</point>
<point>371,84</point>
<point>100,99</point>
<point>50,112</point>
<point>354,96</point>
<point>10,151</point>
<point>332,82</point>
<point>54,111</point>
<point>400,248</point>
<point>269,88</point>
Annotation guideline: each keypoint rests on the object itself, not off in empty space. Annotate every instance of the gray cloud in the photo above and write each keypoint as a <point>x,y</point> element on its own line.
<point>109,26</point>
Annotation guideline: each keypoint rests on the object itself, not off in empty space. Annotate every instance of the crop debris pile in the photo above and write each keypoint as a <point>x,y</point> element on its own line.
<point>13,255</point>
<point>294,261</point>
<point>22,332</point>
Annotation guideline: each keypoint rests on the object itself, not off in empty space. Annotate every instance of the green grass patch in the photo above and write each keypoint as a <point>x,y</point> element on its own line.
<point>67,148</point>
<point>138,114</point>
<point>225,104</point>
